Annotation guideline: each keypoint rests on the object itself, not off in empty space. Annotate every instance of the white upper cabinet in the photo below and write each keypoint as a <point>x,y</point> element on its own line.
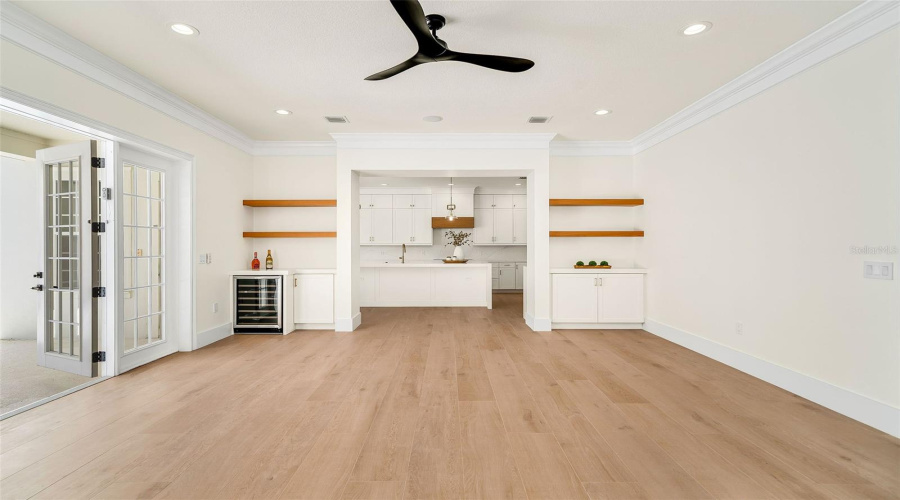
<point>484,201</point>
<point>403,201</point>
<point>519,201</point>
<point>503,201</point>
<point>376,226</point>
<point>503,225</point>
<point>422,201</point>
<point>412,226</point>
<point>484,226</point>
<point>375,201</point>
<point>520,226</point>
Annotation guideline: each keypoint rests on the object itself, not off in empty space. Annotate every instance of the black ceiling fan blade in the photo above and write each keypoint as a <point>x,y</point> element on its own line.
<point>500,63</point>
<point>410,11</point>
<point>405,65</point>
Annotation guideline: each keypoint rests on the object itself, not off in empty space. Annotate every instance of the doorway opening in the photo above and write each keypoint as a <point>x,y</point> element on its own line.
<point>50,262</point>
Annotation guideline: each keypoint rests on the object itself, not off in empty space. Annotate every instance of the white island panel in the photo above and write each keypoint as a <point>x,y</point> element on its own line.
<point>425,284</point>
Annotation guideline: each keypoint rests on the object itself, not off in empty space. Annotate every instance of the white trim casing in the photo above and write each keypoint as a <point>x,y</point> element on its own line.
<point>443,141</point>
<point>858,407</point>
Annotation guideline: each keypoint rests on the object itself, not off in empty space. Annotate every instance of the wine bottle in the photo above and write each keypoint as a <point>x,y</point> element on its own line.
<point>254,264</point>
<point>270,264</point>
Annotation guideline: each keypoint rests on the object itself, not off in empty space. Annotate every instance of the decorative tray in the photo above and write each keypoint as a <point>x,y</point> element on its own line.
<point>456,261</point>
<point>593,267</point>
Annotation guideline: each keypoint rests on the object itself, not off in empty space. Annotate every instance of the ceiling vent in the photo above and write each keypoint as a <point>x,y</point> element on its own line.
<point>337,119</point>
<point>539,119</point>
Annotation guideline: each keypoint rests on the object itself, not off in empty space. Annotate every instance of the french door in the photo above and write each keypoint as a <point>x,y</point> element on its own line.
<point>147,209</point>
<point>68,325</point>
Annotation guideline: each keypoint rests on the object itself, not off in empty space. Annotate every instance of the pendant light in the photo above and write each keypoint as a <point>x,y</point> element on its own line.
<point>451,207</point>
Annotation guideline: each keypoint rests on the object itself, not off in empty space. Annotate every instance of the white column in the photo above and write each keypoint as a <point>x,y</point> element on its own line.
<point>346,293</point>
<point>538,278</point>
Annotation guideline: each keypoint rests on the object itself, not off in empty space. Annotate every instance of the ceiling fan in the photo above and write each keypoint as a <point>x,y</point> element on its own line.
<point>433,49</point>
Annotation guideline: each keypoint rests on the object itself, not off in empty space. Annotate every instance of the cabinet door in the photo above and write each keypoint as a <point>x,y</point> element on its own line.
<point>421,221</point>
<point>365,226</point>
<point>365,201</point>
<point>520,201</point>
<point>403,225</point>
<point>503,225</point>
<point>422,201</point>
<point>621,298</point>
<point>520,229</point>
<point>520,276</point>
<point>382,201</point>
<point>367,286</point>
<point>484,226</point>
<point>439,205</point>
<point>484,201</point>
<point>503,201</point>
<point>402,201</point>
<point>382,226</point>
<point>314,298</point>
<point>464,204</point>
<point>507,278</point>
<point>574,298</point>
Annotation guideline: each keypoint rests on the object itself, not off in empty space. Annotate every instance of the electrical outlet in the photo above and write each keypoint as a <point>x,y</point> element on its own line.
<point>878,270</point>
<point>202,259</point>
<point>739,328</point>
<point>209,258</point>
<point>215,307</point>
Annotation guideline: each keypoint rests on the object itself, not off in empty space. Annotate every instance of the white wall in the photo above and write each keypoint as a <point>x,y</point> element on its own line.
<point>222,173</point>
<point>293,177</point>
<point>592,177</point>
<point>751,216</point>
<point>19,143</point>
<point>20,247</point>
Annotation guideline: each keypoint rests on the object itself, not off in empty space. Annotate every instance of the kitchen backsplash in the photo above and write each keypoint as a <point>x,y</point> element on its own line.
<point>439,250</point>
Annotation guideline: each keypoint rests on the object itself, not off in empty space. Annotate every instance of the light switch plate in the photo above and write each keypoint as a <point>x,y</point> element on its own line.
<point>878,270</point>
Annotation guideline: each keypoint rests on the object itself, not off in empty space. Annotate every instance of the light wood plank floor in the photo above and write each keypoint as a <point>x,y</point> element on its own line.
<point>450,403</point>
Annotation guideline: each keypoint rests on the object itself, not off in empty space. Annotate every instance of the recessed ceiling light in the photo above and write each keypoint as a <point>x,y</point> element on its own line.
<point>282,111</point>
<point>518,184</point>
<point>697,28</point>
<point>449,183</point>
<point>433,118</point>
<point>602,112</point>
<point>384,184</point>
<point>184,29</point>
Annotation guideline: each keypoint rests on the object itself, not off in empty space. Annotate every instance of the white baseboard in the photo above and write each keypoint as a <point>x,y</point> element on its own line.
<point>214,335</point>
<point>348,324</point>
<point>858,407</point>
<point>312,326</point>
<point>598,326</point>
<point>541,325</point>
<point>529,320</point>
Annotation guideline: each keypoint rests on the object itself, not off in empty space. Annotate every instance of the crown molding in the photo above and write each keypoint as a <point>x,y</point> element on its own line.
<point>443,141</point>
<point>38,36</point>
<point>856,26</point>
<point>591,148</point>
<point>294,148</point>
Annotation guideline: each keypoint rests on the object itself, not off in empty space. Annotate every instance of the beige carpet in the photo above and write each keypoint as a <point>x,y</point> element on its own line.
<point>22,381</point>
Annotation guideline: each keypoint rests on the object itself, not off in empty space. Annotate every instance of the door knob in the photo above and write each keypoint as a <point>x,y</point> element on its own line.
<point>38,288</point>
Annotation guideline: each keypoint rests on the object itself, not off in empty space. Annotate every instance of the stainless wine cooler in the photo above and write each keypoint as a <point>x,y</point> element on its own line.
<point>258,304</point>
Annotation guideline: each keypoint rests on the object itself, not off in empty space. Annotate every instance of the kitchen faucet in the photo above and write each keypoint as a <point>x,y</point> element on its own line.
<point>403,256</point>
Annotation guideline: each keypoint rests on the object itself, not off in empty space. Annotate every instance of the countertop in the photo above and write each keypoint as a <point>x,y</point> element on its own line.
<point>423,263</point>
<point>615,270</point>
<point>281,272</point>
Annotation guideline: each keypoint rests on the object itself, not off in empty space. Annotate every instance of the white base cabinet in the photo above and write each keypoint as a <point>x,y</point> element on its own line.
<point>314,301</point>
<point>586,300</point>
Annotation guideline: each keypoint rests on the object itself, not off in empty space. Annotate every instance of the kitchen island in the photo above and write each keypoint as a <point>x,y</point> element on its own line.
<point>425,284</point>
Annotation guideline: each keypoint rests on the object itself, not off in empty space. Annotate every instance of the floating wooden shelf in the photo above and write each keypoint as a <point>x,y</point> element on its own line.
<point>290,203</point>
<point>459,223</point>
<point>596,234</point>
<point>596,202</point>
<point>290,234</point>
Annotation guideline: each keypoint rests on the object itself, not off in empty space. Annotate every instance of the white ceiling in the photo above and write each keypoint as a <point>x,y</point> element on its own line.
<point>311,57</point>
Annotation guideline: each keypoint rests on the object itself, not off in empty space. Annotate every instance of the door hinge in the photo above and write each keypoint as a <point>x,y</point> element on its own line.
<point>98,227</point>
<point>98,291</point>
<point>98,162</point>
<point>98,357</point>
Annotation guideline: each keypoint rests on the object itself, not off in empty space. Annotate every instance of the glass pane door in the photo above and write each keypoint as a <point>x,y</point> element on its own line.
<point>63,258</point>
<point>143,203</point>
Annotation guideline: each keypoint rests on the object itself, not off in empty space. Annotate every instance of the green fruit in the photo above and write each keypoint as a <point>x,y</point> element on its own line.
<point>604,263</point>
<point>592,263</point>
<point>579,263</point>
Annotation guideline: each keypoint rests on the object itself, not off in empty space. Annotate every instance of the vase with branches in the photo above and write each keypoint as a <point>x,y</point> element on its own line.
<point>458,239</point>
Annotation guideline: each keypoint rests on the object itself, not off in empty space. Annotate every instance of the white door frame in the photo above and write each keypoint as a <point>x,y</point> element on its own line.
<point>432,155</point>
<point>21,104</point>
